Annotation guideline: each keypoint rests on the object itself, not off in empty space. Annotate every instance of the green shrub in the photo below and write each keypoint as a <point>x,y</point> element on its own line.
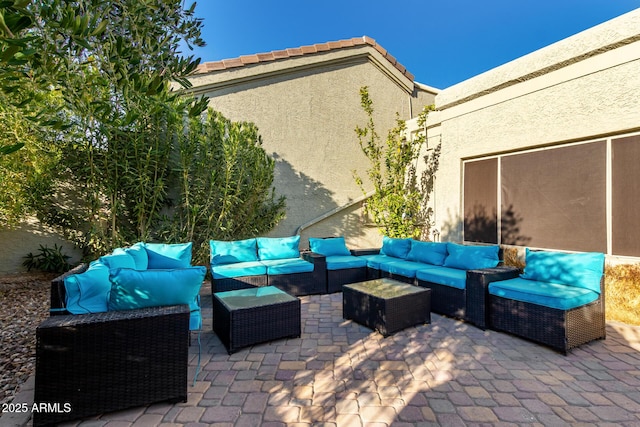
<point>50,260</point>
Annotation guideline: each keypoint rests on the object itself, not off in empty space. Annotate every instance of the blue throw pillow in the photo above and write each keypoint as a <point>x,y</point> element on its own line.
<point>133,289</point>
<point>88,292</point>
<point>583,270</point>
<point>334,246</point>
<point>223,252</point>
<point>139,255</point>
<point>168,256</point>
<point>278,247</point>
<point>118,259</point>
<point>471,257</point>
<point>397,248</point>
<point>433,253</point>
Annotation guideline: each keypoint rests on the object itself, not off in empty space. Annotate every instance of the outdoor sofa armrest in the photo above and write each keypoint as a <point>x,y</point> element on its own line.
<point>477,310</point>
<point>365,251</point>
<point>59,293</point>
<point>313,257</point>
<point>110,361</point>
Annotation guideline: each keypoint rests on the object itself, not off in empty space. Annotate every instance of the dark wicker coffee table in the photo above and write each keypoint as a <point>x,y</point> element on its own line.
<point>246,317</point>
<point>386,305</point>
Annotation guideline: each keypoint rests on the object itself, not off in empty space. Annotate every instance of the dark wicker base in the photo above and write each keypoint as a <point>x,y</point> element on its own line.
<point>235,283</point>
<point>245,327</point>
<point>298,284</point>
<point>337,278</point>
<point>373,273</point>
<point>559,329</point>
<point>398,277</point>
<point>386,315</point>
<point>105,362</point>
<point>447,300</point>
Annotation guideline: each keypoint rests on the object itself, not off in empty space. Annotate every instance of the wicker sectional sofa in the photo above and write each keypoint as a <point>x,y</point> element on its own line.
<point>558,301</point>
<point>443,267</point>
<point>112,340</point>
<point>267,261</point>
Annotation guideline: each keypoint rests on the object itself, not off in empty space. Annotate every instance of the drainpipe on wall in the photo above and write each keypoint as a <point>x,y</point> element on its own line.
<point>333,212</point>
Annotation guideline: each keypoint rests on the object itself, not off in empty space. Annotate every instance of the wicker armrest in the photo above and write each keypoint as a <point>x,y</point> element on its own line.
<point>366,251</point>
<point>110,361</point>
<point>313,257</point>
<point>58,292</point>
<point>478,288</point>
<point>87,320</point>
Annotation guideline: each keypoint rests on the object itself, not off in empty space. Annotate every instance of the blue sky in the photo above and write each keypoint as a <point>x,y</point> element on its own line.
<point>440,42</point>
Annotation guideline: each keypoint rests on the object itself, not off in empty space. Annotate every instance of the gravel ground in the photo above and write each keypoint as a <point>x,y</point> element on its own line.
<point>24,302</point>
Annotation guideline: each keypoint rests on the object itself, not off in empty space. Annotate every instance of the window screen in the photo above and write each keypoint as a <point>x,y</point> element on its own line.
<point>555,198</point>
<point>625,196</point>
<point>481,201</point>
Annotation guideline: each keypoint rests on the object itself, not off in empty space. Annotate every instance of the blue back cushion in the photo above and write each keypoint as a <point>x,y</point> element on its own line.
<point>583,270</point>
<point>433,253</point>
<point>133,289</point>
<point>397,248</point>
<point>471,257</point>
<point>168,256</point>
<point>278,247</point>
<point>223,252</point>
<point>88,292</point>
<point>139,255</point>
<point>334,246</point>
<point>118,259</point>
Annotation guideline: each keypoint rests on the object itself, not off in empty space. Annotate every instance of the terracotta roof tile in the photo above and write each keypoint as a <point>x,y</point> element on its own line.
<point>299,51</point>
<point>294,51</point>
<point>308,49</point>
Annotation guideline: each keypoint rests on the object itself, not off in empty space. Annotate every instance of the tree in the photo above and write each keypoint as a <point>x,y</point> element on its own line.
<point>224,180</point>
<point>135,160</point>
<point>399,206</point>
<point>109,65</point>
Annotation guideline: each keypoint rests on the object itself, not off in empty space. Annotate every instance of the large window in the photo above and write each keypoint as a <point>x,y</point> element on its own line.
<point>557,197</point>
<point>625,196</point>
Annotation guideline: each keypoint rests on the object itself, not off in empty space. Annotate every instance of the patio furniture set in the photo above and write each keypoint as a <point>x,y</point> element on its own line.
<point>119,329</point>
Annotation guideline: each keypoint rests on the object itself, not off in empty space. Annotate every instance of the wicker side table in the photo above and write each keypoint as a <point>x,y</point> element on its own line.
<point>386,305</point>
<point>245,317</point>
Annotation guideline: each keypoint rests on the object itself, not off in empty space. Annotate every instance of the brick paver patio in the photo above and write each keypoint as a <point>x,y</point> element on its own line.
<point>448,373</point>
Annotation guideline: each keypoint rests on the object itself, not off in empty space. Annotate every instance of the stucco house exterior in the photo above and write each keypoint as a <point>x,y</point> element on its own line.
<point>543,151</point>
<point>306,103</point>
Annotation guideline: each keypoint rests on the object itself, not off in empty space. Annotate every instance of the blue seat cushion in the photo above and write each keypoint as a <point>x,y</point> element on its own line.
<point>471,257</point>
<point>553,295</point>
<point>427,252</point>
<point>398,248</point>
<point>341,262</point>
<point>287,266</point>
<point>278,247</point>
<point>223,252</point>
<point>88,292</point>
<point>583,270</point>
<point>168,256</point>
<point>238,269</point>
<point>402,267</point>
<point>329,247</point>
<point>453,277</point>
<point>374,260</point>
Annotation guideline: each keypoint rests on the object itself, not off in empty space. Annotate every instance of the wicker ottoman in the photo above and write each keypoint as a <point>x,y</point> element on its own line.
<point>386,305</point>
<point>246,317</point>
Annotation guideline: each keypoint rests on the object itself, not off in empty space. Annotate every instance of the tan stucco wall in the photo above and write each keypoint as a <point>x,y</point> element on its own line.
<point>307,111</point>
<point>580,88</point>
<point>27,238</point>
